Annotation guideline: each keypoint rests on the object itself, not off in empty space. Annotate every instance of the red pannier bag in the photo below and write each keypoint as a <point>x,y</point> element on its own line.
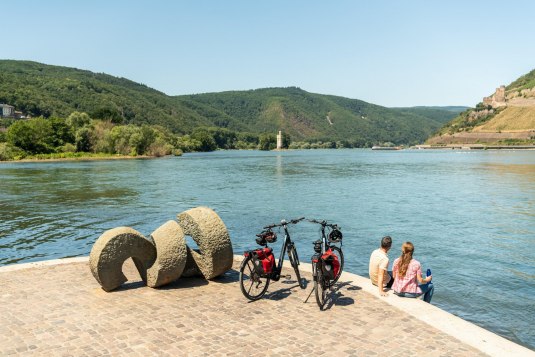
<point>263,261</point>
<point>331,264</point>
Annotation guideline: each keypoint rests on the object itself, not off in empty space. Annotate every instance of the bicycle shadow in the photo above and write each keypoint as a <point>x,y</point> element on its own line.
<point>283,293</point>
<point>337,298</point>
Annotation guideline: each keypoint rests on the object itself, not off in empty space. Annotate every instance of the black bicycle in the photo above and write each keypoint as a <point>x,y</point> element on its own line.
<point>258,267</point>
<point>327,261</point>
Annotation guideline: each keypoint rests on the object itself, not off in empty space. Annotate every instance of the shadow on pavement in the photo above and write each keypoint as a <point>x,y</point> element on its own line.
<point>230,276</point>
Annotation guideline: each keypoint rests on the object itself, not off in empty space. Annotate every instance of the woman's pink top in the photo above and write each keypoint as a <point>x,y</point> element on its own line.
<point>408,283</point>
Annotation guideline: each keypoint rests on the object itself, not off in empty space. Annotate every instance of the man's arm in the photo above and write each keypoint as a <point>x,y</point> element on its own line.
<point>380,278</point>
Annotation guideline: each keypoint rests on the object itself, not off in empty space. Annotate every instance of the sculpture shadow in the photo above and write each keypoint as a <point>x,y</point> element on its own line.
<point>129,285</point>
<point>230,276</point>
<point>185,283</point>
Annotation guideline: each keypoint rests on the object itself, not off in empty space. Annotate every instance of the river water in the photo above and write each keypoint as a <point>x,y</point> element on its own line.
<point>470,214</point>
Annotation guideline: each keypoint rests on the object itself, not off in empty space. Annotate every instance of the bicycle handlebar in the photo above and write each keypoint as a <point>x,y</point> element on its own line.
<point>284,223</point>
<point>324,223</point>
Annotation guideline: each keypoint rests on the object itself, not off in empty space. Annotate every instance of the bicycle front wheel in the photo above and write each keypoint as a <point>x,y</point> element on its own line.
<point>252,285</point>
<point>338,252</point>
<point>320,286</point>
<point>294,260</point>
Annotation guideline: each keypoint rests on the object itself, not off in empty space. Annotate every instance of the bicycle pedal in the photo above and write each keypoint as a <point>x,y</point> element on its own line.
<point>288,277</point>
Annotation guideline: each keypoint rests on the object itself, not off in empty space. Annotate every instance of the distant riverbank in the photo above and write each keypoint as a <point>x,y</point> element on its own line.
<point>85,157</point>
<point>475,147</point>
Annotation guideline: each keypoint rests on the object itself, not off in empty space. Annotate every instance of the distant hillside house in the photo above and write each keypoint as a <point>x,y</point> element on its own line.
<point>7,111</point>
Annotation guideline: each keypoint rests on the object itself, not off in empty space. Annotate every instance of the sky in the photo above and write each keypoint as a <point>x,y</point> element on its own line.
<point>391,53</point>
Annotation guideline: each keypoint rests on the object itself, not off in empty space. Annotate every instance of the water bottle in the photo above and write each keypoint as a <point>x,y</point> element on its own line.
<point>428,272</point>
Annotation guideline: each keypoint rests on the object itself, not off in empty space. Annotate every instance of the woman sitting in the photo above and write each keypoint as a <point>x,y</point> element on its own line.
<point>407,274</point>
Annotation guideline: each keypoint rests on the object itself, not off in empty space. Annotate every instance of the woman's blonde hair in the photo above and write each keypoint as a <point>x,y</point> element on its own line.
<point>407,249</point>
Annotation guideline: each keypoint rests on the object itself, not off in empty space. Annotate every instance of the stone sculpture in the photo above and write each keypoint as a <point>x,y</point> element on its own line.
<point>164,257</point>
<point>209,232</point>
<point>111,250</point>
<point>171,255</point>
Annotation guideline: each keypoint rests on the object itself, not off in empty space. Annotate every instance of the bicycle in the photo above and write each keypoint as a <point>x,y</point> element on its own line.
<point>327,261</point>
<point>258,267</point>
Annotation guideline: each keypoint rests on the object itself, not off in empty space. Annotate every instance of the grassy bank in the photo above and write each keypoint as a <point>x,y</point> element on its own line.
<point>77,156</point>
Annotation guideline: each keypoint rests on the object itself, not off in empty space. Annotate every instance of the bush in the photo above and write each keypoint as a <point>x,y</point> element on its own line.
<point>35,136</point>
<point>9,152</point>
<point>267,141</point>
<point>67,148</point>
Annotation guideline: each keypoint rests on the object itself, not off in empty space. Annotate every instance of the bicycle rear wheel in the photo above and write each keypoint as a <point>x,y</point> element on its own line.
<point>338,252</point>
<point>320,286</point>
<point>252,285</point>
<point>294,260</point>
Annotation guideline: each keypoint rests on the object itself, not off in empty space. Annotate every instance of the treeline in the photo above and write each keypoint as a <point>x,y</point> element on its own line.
<point>79,134</point>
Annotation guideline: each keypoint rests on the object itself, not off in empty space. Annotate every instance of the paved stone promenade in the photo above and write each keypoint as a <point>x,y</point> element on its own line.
<point>60,310</point>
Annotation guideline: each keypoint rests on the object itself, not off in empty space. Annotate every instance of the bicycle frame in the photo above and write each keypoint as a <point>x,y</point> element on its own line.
<point>275,275</point>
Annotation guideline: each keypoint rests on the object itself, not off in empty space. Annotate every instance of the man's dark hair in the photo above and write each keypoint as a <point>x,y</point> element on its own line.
<point>386,242</point>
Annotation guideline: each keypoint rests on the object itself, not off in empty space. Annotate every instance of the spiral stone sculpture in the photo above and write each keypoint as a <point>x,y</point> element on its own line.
<point>111,250</point>
<point>164,256</point>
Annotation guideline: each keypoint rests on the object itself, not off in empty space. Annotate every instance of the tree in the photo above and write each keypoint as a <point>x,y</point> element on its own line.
<point>267,141</point>
<point>205,138</point>
<point>108,113</point>
<point>34,136</point>
<point>84,140</point>
<point>286,140</point>
<point>61,132</point>
<point>76,120</point>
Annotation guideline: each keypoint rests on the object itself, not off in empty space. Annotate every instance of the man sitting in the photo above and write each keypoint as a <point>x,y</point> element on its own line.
<point>378,268</point>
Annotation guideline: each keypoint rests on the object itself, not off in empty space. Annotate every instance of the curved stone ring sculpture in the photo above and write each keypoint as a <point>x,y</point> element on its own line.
<point>164,256</point>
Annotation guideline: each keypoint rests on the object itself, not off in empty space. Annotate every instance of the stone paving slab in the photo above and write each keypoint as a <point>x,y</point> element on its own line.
<point>60,310</point>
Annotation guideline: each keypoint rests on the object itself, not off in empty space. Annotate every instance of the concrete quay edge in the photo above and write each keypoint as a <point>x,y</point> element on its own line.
<point>467,332</point>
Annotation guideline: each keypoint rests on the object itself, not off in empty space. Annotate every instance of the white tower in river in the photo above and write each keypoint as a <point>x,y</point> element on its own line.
<point>279,140</point>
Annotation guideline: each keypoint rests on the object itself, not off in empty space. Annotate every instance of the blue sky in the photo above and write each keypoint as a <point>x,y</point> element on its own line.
<point>392,53</point>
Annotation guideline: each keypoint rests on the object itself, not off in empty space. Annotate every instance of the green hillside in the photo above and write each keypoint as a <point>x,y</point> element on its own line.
<point>309,116</point>
<point>439,114</point>
<point>509,121</point>
<point>53,91</point>
<point>527,81</point>
<point>43,90</point>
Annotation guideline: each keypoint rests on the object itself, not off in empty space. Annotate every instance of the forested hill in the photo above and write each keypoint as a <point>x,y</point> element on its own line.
<point>307,115</point>
<point>39,89</point>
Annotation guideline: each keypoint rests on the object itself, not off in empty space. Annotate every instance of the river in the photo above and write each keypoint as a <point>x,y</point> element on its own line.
<point>470,214</point>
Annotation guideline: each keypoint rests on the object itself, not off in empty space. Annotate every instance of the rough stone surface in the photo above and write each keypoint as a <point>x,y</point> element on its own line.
<point>60,310</point>
<point>171,255</point>
<point>210,233</point>
<point>111,250</point>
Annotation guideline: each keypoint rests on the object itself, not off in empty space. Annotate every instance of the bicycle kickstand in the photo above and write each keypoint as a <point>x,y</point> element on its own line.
<point>308,297</point>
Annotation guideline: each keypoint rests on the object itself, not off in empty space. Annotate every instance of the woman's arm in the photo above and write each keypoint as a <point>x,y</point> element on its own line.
<point>422,280</point>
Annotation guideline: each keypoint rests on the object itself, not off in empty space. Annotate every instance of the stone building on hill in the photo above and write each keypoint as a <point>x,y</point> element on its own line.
<point>498,99</point>
<point>7,111</point>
